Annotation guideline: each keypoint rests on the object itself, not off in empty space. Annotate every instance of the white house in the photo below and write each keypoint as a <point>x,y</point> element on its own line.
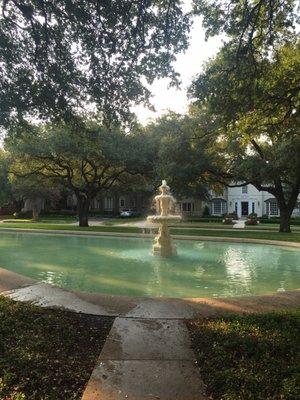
<point>245,200</point>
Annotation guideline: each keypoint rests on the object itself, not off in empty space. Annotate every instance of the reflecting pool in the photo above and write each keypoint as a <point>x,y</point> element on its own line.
<point>125,266</point>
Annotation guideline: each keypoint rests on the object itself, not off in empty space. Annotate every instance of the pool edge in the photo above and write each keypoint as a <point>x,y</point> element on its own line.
<point>147,235</point>
<point>51,296</point>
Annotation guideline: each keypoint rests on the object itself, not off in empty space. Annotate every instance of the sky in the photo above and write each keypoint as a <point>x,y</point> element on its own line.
<point>188,65</point>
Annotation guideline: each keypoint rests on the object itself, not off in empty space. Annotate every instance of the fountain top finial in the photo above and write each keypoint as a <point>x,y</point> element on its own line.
<point>164,186</point>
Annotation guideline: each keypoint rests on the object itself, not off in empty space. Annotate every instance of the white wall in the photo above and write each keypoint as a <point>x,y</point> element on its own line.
<point>253,198</point>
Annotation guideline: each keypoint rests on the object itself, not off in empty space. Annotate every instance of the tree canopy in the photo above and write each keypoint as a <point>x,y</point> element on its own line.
<point>85,160</point>
<point>5,186</point>
<point>181,158</point>
<point>256,129</point>
<point>254,26</point>
<point>59,57</point>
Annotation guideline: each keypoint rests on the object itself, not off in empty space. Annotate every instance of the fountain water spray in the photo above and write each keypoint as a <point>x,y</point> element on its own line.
<point>164,201</point>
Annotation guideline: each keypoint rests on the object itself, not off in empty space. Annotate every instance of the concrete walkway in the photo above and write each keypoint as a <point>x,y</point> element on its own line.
<point>239,224</point>
<point>146,359</point>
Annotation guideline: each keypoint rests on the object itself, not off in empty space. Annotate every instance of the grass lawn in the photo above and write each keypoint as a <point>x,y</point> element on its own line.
<point>56,219</point>
<point>47,354</point>
<point>275,227</point>
<point>292,237</point>
<point>218,225</point>
<point>211,225</point>
<point>235,233</point>
<point>117,221</point>
<point>253,357</point>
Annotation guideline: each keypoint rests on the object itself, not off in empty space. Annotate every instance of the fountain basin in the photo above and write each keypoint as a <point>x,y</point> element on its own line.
<point>125,266</point>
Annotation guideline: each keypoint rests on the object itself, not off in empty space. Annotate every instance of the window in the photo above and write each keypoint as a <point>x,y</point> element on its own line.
<point>122,202</point>
<point>273,208</point>
<point>219,207</point>
<point>187,207</point>
<point>244,189</point>
<point>296,210</point>
<point>108,203</point>
<point>253,208</point>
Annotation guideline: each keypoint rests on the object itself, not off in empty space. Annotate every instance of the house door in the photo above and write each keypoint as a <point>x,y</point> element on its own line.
<point>245,208</point>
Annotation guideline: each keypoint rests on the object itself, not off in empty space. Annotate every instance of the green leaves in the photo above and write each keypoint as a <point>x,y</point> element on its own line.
<point>63,56</point>
<point>254,25</point>
<point>84,159</point>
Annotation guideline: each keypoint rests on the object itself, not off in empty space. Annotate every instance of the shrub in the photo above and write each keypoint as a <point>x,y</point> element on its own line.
<point>251,222</point>
<point>252,216</point>
<point>202,219</point>
<point>251,219</point>
<point>23,214</point>
<point>276,220</point>
<point>228,219</point>
<point>206,211</point>
<point>57,213</point>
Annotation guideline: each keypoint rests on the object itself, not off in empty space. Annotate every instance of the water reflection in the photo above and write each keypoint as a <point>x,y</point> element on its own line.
<point>126,266</point>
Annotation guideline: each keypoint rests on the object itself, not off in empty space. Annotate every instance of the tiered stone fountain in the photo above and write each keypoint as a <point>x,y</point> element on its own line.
<point>164,202</point>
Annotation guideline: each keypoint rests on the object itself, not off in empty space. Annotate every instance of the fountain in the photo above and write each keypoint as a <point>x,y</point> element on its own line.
<point>164,201</point>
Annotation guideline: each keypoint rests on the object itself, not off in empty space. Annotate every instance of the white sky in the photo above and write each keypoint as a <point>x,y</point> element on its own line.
<point>187,65</point>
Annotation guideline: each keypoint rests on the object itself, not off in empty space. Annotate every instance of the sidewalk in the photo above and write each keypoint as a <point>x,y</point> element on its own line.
<point>146,359</point>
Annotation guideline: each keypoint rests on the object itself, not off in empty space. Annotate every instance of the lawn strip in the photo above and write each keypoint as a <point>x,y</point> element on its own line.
<point>253,357</point>
<point>290,237</point>
<point>47,354</point>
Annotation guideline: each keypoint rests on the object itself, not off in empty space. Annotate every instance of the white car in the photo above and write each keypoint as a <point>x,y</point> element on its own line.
<point>129,213</point>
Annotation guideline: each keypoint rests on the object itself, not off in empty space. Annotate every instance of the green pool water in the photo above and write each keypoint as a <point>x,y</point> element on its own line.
<point>125,266</point>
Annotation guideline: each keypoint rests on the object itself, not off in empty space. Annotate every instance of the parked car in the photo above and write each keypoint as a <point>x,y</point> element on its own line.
<point>129,213</point>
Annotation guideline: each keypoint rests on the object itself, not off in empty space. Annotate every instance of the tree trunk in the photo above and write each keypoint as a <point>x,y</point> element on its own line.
<point>36,208</point>
<point>83,206</point>
<point>285,220</point>
<point>35,213</point>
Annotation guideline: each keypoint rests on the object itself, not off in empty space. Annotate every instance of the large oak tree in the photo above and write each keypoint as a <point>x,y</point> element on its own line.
<point>86,159</point>
<point>59,57</point>
<point>255,123</point>
<point>250,93</point>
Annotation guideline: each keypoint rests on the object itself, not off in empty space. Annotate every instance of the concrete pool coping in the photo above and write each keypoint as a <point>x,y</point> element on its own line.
<point>22,288</point>
<point>148,235</point>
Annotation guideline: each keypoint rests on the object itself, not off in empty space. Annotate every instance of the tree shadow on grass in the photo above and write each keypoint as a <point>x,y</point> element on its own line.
<point>249,357</point>
<point>47,354</point>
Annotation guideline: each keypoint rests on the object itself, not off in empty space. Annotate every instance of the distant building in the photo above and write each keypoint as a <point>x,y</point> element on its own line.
<point>242,200</point>
<point>245,200</point>
<point>113,202</point>
<point>190,207</point>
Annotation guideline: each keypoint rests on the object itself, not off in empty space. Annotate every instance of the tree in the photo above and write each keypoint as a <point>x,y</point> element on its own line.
<point>5,186</point>
<point>255,26</point>
<point>180,156</point>
<point>86,159</point>
<point>34,190</point>
<point>58,57</point>
<point>251,93</point>
<point>256,121</point>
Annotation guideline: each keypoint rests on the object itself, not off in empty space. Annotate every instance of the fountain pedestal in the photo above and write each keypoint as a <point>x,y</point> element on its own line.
<point>163,243</point>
